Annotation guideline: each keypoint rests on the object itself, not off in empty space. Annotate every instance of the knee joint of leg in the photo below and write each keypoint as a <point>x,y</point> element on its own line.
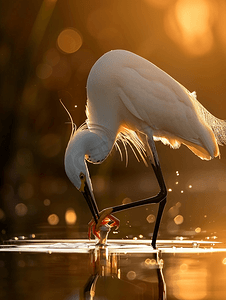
<point>163,193</point>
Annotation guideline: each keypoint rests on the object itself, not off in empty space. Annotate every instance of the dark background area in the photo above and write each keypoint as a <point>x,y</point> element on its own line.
<point>185,38</point>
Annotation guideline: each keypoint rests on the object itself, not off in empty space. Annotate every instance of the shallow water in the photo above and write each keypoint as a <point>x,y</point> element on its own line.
<point>59,269</point>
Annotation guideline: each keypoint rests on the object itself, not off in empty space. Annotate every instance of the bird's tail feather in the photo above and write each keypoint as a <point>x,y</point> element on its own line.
<point>218,126</point>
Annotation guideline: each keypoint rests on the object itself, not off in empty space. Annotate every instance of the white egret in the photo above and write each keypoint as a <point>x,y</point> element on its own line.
<point>131,99</point>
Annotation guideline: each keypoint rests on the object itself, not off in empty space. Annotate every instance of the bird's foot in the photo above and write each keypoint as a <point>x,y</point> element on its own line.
<point>105,219</point>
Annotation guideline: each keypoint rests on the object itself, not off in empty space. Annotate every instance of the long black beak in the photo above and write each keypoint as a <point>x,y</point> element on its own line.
<point>91,202</point>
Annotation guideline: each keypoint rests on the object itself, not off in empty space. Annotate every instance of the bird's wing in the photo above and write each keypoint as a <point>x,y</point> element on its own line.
<point>166,106</point>
<point>157,99</point>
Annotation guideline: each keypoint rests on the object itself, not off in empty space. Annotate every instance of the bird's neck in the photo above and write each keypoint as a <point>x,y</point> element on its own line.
<point>97,144</point>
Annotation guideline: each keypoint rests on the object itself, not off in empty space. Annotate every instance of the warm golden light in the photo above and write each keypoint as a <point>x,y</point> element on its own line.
<point>224,261</point>
<point>21,209</point>
<point>126,200</point>
<point>150,218</point>
<point>189,24</point>
<point>159,3</point>
<point>131,275</point>
<point>69,40</point>
<point>53,219</point>
<point>70,216</point>
<point>186,282</point>
<point>198,230</point>
<point>46,202</point>
<point>178,219</point>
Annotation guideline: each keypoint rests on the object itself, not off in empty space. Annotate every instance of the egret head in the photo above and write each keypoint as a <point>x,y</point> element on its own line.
<point>85,145</point>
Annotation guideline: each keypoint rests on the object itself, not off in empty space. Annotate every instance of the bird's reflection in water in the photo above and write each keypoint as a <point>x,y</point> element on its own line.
<point>124,269</point>
<point>124,276</point>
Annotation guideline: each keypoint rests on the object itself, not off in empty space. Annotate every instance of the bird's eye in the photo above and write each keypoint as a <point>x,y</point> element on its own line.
<point>82,176</point>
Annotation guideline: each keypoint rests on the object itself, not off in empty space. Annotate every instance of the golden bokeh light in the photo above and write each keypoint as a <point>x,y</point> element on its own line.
<point>70,216</point>
<point>47,202</point>
<point>178,219</point>
<point>189,23</point>
<point>21,209</point>
<point>150,218</point>
<point>69,40</point>
<point>224,261</point>
<point>198,229</point>
<point>53,219</point>
<point>221,24</point>
<point>131,275</point>
<point>126,200</point>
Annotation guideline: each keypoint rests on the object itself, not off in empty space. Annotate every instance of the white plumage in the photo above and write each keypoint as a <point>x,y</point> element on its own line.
<point>131,99</point>
<point>127,91</point>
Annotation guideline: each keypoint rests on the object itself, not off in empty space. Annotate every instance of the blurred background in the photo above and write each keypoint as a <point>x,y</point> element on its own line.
<point>47,49</point>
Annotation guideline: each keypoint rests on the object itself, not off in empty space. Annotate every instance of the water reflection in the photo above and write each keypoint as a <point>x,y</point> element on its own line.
<point>61,269</point>
<point>124,276</point>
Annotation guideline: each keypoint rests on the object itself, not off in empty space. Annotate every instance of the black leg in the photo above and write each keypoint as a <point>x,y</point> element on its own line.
<point>160,198</point>
<point>157,223</point>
